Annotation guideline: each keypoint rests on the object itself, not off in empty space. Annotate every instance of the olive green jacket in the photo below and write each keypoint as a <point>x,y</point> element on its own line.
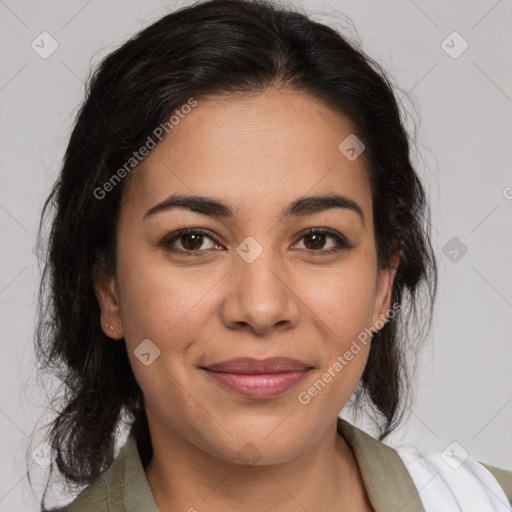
<point>124,488</point>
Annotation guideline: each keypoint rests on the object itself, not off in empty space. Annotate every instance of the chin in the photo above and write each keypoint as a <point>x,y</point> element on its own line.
<point>267,446</point>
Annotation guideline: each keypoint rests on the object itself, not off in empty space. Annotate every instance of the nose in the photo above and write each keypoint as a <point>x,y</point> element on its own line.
<point>260,297</point>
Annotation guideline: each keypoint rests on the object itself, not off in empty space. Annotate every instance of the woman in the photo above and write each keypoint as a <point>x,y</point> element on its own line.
<point>239,246</point>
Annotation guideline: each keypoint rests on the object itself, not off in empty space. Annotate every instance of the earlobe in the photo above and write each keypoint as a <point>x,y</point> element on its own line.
<point>106,294</point>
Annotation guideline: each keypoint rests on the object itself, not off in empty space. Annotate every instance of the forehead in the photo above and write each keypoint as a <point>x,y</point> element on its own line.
<point>255,151</point>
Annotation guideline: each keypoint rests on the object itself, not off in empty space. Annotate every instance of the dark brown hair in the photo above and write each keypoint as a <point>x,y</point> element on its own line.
<point>217,46</point>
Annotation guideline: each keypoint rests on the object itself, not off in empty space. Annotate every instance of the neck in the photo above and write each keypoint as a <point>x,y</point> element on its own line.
<point>184,477</point>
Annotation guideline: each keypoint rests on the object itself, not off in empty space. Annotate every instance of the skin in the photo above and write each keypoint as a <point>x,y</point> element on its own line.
<point>257,153</point>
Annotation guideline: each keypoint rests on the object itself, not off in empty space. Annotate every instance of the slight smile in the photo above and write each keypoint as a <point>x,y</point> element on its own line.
<point>258,379</point>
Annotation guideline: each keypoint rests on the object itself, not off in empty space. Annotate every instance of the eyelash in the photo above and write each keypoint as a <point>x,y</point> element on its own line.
<point>341,242</point>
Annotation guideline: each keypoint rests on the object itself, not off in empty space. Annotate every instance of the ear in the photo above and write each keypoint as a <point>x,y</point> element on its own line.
<point>385,279</point>
<point>105,288</point>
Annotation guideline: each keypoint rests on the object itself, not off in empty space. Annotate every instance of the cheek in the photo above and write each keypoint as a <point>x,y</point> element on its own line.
<point>160,302</point>
<point>341,303</point>
<point>342,299</point>
<point>342,313</point>
<point>169,308</point>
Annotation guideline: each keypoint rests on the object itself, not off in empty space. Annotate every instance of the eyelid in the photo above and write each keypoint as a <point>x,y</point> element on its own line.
<point>170,238</point>
<point>342,242</point>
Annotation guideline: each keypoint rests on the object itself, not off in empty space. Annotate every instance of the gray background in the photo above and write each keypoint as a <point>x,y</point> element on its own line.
<point>462,109</point>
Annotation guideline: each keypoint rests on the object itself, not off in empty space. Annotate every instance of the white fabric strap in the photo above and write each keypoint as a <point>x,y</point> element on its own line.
<point>453,484</point>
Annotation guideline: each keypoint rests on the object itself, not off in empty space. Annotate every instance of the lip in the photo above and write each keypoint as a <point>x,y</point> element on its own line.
<point>258,378</point>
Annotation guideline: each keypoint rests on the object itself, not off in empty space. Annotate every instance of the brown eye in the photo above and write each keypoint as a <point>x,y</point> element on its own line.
<point>317,241</point>
<point>188,242</point>
<point>192,241</point>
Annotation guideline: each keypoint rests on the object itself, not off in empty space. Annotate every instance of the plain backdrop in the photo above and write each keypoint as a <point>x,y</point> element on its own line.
<point>460,100</point>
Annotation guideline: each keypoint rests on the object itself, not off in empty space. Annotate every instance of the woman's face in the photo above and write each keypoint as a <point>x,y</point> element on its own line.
<point>252,283</point>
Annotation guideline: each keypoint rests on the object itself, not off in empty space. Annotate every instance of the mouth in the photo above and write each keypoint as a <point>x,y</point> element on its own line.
<point>258,379</point>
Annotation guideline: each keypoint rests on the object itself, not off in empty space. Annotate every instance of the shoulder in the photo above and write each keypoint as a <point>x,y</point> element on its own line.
<point>405,477</point>
<point>503,477</point>
<point>121,487</point>
<point>93,497</point>
<point>456,479</point>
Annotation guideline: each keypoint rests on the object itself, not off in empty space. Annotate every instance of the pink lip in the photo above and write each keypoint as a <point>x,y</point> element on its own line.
<point>255,378</point>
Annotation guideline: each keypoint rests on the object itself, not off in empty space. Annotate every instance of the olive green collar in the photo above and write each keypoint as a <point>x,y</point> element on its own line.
<point>124,487</point>
<point>386,480</point>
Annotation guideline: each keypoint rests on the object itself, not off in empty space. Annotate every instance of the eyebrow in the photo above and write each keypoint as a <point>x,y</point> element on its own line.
<point>221,210</point>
